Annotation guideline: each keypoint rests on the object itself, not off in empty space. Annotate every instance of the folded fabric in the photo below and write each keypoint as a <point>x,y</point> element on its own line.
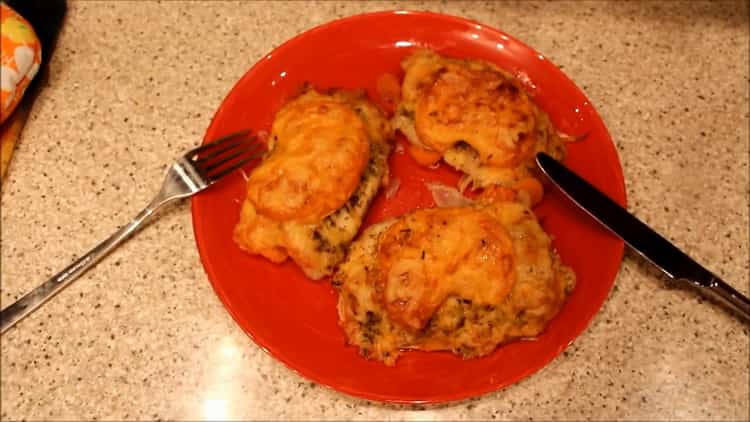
<point>20,57</point>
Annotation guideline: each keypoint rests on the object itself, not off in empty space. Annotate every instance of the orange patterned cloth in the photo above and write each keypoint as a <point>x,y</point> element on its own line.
<point>20,54</point>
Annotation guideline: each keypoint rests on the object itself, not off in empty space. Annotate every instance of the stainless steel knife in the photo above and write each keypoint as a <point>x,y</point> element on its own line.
<point>640,237</point>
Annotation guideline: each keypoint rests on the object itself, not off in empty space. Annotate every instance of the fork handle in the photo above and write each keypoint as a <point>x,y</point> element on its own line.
<point>35,298</point>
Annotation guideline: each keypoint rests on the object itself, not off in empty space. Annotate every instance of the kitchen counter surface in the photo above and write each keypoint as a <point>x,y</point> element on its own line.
<point>143,336</point>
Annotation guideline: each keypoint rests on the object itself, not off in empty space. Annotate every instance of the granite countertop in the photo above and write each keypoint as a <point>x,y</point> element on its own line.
<point>143,336</point>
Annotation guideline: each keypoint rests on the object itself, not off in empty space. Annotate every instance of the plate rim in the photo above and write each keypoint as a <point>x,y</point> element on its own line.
<point>269,349</point>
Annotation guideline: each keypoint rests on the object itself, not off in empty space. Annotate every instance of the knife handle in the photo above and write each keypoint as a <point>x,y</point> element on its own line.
<point>726,294</point>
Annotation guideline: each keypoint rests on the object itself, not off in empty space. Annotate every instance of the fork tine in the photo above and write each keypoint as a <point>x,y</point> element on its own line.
<point>216,164</point>
<point>218,141</point>
<point>214,154</point>
<point>214,177</point>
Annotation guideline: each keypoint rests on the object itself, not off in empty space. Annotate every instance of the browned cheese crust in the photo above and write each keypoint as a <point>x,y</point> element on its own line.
<point>326,161</point>
<point>461,279</point>
<point>476,115</point>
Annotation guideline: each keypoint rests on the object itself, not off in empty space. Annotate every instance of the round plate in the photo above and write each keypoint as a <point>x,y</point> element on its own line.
<point>294,318</point>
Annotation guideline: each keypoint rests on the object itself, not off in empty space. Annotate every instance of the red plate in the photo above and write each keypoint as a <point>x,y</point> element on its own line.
<point>294,318</point>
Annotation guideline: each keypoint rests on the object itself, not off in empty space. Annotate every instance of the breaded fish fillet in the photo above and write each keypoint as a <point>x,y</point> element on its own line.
<point>464,279</point>
<point>326,161</point>
<point>475,116</point>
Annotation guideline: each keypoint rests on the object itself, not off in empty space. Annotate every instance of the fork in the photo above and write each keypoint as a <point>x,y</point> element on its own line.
<point>195,171</point>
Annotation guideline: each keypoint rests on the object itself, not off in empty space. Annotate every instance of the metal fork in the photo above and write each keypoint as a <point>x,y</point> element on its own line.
<point>195,171</point>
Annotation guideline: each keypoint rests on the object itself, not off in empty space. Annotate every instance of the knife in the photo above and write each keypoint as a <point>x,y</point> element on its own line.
<point>640,237</point>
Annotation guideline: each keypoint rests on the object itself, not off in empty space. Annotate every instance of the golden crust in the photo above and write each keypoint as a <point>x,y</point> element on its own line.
<point>480,106</point>
<point>468,315</point>
<point>421,263</point>
<point>474,114</point>
<point>319,150</point>
<point>306,200</point>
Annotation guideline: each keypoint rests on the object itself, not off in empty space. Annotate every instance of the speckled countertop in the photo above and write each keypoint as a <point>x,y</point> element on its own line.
<point>143,336</point>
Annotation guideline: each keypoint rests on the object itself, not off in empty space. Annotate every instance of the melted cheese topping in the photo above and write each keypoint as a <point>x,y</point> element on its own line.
<point>328,158</point>
<point>474,114</point>
<point>506,289</point>
<point>480,107</point>
<point>319,150</point>
<point>436,253</point>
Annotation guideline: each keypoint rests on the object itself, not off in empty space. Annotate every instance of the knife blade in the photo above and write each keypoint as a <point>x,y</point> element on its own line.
<point>638,236</point>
